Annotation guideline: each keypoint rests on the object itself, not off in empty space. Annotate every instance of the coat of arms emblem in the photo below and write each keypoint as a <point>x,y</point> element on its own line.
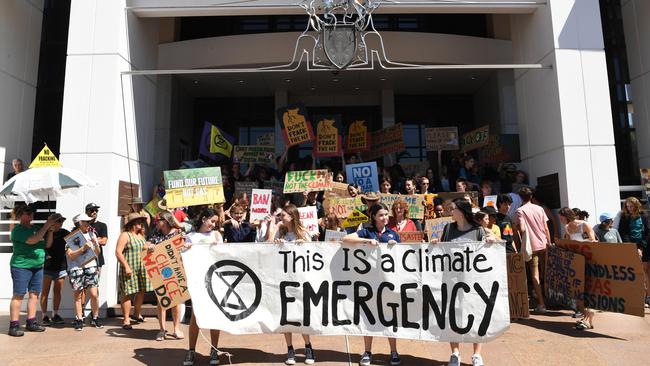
<point>340,44</point>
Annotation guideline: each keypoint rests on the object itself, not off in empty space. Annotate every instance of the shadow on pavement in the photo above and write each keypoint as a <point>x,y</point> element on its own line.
<point>564,328</point>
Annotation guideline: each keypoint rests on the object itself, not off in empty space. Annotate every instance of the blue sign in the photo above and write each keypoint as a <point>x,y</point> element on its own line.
<point>363,174</point>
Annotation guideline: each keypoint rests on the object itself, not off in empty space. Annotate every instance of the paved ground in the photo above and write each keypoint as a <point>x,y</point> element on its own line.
<point>540,340</point>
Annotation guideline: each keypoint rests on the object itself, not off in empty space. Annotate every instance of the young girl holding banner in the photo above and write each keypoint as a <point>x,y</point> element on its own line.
<point>377,233</point>
<point>290,229</point>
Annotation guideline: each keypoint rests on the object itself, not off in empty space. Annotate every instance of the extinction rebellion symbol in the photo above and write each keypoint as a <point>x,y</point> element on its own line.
<point>237,291</point>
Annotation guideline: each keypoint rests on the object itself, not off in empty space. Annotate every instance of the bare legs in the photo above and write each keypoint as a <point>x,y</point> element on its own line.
<point>126,307</point>
<point>367,341</point>
<point>194,334</point>
<point>56,295</point>
<point>289,338</point>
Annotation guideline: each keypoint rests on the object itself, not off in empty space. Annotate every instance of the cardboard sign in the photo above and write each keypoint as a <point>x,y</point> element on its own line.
<point>267,139</point>
<point>75,240</point>
<point>411,236</point>
<point>414,202</point>
<point>45,159</point>
<point>613,276</point>
<point>490,201</point>
<point>309,219</point>
<point>355,219</point>
<point>334,236</point>
<point>363,174</point>
<point>261,200</point>
<point>442,138</point>
<point>126,191</point>
<point>164,268</point>
<point>296,129</point>
<point>386,141</point>
<point>429,212</point>
<point>475,138</point>
<point>517,286</point>
<point>340,190</point>
<point>448,197</point>
<point>343,207</point>
<point>360,290</point>
<point>246,187</point>
<point>328,139</point>
<point>564,280</point>
<point>277,186</point>
<point>500,149</point>
<point>358,139</point>
<point>255,154</point>
<point>191,187</point>
<point>436,227</point>
<point>307,180</point>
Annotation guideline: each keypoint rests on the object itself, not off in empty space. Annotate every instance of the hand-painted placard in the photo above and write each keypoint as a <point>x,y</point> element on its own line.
<point>386,141</point>
<point>309,219</point>
<point>358,139</point>
<point>613,276</point>
<point>190,187</point>
<point>334,236</point>
<point>254,154</point>
<point>340,190</point>
<point>517,286</point>
<point>442,138</point>
<point>343,207</point>
<point>261,200</point>
<point>164,267</point>
<point>245,187</point>
<point>277,186</point>
<point>564,280</point>
<point>296,129</point>
<point>429,206</point>
<point>328,138</point>
<point>414,202</point>
<point>363,174</point>
<point>355,219</point>
<point>475,138</point>
<point>267,139</point>
<point>307,181</point>
<point>490,201</point>
<point>411,236</point>
<point>435,227</point>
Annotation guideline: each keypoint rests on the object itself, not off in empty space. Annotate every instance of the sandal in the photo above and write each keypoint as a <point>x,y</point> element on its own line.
<point>127,327</point>
<point>161,335</point>
<point>177,335</point>
<point>139,319</point>
<point>584,325</point>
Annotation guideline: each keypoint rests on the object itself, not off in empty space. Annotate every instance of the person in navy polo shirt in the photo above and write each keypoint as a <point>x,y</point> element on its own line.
<point>377,232</point>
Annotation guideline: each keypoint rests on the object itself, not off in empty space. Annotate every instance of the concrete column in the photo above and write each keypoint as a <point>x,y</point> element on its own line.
<point>507,102</point>
<point>108,127</point>
<point>564,112</point>
<point>281,100</point>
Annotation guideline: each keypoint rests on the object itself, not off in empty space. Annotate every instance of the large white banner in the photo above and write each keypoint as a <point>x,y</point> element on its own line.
<point>453,292</point>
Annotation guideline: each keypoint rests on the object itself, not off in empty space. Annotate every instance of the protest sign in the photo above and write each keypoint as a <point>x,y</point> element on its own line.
<point>126,191</point>
<point>328,139</point>
<point>442,138</point>
<point>456,292</point>
<point>267,139</point>
<point>164,267</point>
<point>475,138</point>
<point>153,207</point>
<point>517,286</point>
<point>435,227</point>
<point>307,181</point>
<point>448,197</point>
<point>358,139</point>
<point>340,190</point>
<point>363,174</point>
<point>45,159</point>
<point>190,187</point>
<point>255,154</point>
<point>355,219</point>
<point>412,168</point>
<point>429,205</point>
<point>245,187</point>
<point>501,148</point>
<point>296,129</point>
<point>385,141</point>
<point>411,236</point>
<point>490,201</point>
<point>309,219</point>
<point>75,241</point>
<point>333,235</point>
<point>260,204</point>
<point>564,280</point>
<point>343,207</point>
<point>277,186</point>
<point>414,202</point>
<point>613,276</point>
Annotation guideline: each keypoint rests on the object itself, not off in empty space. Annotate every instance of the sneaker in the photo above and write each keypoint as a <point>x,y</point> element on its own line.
<point>578,314</point>
<point>189,358</point>
<point>454,360</point>
<point>477,360</point>
<point>57,319</point>
<point>46,321</point>
<point>97,323</point>
<point>15,331</point>
<point>647,301</point>
<point>291,357</point>
<point>78,325</point>
<point>309,356</point>
<point>394,359</point>
<point>34,327</point>
<point>214,357</point>
<point>540,309</point>
<point>366,359</point>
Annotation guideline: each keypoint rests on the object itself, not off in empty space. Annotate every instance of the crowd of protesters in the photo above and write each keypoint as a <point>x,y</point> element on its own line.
<point>42,260</point>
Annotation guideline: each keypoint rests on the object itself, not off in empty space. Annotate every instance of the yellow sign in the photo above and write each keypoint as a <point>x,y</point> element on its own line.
<point>45,159</point>
<point>357,137</point>
<point>218,143</point>
<point>355,218</point>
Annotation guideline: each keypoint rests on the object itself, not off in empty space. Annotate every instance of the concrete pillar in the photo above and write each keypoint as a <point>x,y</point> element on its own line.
<point>281,100</point>
<point>564,112</point>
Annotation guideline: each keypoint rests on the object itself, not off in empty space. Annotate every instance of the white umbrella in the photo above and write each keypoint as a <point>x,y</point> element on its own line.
<point>44,184</point>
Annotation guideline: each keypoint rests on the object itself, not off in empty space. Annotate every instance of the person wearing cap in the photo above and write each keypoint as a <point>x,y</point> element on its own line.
<point>29,244</point>
<point>54,272</point>
<point>83,273</point>
<point>100,229</point>
<point>132,276</point>
<point>605,232</point>
<point>165,229</point>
